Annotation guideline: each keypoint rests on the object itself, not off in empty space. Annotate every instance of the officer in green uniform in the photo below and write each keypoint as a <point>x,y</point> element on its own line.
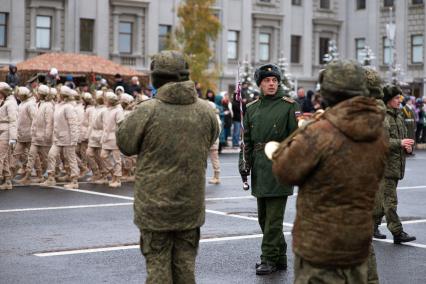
<point>399,145</point>
<point>270,118</point>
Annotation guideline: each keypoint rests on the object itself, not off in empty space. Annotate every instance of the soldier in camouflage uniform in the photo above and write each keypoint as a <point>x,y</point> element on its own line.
<point>269,118</point>
<point>400,145</point>
<point>171,135</point>
<point>337,161</point>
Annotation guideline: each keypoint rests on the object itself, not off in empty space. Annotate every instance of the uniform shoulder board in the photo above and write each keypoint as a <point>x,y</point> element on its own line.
<point>252,103</point>
<point>289,100</point>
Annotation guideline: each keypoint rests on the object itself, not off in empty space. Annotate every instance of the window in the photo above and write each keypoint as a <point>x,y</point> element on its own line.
<point>323,48</point>
<point>416,2</point>
<point>43,32</point>
<point>360,4</point>
<point>388,3</point>
<point>325,4</point>
<point>86,34</point>
<point>359,49</point>
<point>264,46</point>
<point>163,36</point>
<point>125,37</point>
<point>3,29</point>
<point>295,49</point>
<point>387,51</point>
<point>417,49</point>
<point>296,2</point>
<point>232,44</point>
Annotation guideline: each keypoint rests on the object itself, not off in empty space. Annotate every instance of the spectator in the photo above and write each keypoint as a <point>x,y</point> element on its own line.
<point>69,82</point>
<point>12,77</point>
<point>420,114</point>
<point>52,77</point>
<point>135,87</point>
<point>148,91</point>
<point>300,96</point>
<point>227,111</point>
<point>307,105</point>
<point>198,89</point>
<point>236,120</point>
<point>120,82</point>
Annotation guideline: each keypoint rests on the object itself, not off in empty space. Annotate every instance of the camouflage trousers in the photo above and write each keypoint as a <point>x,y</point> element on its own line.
<point>81,150</point>
<point>94,160</point>
<point>270,211</point>
<point>170,256</point>
<point>69,159</point>
<point>214,158</point>
<point>37,158</point>
<point>308,273</point>
<point>112,161</point>
<point>386,204</point>
<point>20,155</point>
<point>372,275</point>
<point>5,157</point>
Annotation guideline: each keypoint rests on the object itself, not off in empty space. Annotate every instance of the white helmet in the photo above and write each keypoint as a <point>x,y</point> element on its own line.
<point>110,96</point>
<point>66,92</point>
<point>23,92</point>
<point>5,88</point>
<point>126,98</point>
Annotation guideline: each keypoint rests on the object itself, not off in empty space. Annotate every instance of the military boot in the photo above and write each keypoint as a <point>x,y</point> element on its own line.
<point>215,179</point>
<point>26,179</point>
<point>73,184</point>
<point>39,177</point>
<point>377,234</point>
<point>116,182</point>
<point>403,237</point>
<point>21,171</point>
<point>6,185</point>
<point>51,181</point>
<point>96,176</point>
<point>266,268</point>
<point>64,178</point>
<point>83,171</point>
<point>102,180</point>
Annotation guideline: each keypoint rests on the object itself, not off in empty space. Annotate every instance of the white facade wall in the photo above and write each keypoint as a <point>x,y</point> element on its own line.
<point>279,18</point>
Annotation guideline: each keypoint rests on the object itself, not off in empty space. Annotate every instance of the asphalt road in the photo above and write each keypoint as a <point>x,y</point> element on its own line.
<point>54,235</point>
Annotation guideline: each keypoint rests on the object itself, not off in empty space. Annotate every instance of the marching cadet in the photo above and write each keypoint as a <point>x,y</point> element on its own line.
<point>8,132</point>
<point>94,144</point>
<point>128,163</point>
<point>89,110</point>
<point>41,133</point>
<point>26,113</point>
<point>65,137</point>
<point>80,110</point>
<point>110,153</point>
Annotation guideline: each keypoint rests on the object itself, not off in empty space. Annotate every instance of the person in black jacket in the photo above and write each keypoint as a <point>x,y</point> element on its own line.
<point>12,77</point>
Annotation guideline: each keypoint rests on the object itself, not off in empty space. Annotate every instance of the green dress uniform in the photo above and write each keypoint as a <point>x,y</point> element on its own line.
<point>269,118</point>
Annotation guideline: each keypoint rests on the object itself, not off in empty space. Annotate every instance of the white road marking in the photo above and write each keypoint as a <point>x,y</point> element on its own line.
<point>66,207</point>
<point>411,187</point>
<point>404,244</point>
<point>94,193</point>
<point>105,249</point>
<point>409,222</point>
<point>240,216</point>
<point>230,198</point>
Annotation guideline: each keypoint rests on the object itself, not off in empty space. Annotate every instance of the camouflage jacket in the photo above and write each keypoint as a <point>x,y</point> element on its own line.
<point>270,118</point>
<point>171,135</point>
<point>338,163</point>
<point>396,131</point>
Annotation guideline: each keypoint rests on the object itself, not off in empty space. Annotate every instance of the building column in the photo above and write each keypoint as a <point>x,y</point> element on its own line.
<point>276,42</point>
<point>116,22</point>
<point>57,30</point>
<point>246,31</point>
<point>256,30</point>
<point>102,32</point>
<point>307,44</point>
<point>139,32</point>
<point>33,29</point>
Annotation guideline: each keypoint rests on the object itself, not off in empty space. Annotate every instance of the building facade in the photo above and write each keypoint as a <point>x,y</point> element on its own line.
<point>260,31</point>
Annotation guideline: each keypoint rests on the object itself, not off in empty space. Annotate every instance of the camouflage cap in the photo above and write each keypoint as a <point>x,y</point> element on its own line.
<point>169,65</point>
<point>341,80</point>
<point>23,92</point>
<point>374,82</point>
<point>390,91</point>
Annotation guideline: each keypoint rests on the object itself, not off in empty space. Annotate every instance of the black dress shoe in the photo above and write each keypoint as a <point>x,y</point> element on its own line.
<point>403,237</point>
<point>378,235</point>
<point>281,266</point>
<point>266,268</point>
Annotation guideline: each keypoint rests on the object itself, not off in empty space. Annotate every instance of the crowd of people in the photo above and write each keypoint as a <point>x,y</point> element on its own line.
<point>65,131</point>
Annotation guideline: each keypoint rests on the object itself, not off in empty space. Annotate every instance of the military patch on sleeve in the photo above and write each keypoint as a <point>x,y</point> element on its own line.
<point>289,100</point>
<point>252,103</point>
